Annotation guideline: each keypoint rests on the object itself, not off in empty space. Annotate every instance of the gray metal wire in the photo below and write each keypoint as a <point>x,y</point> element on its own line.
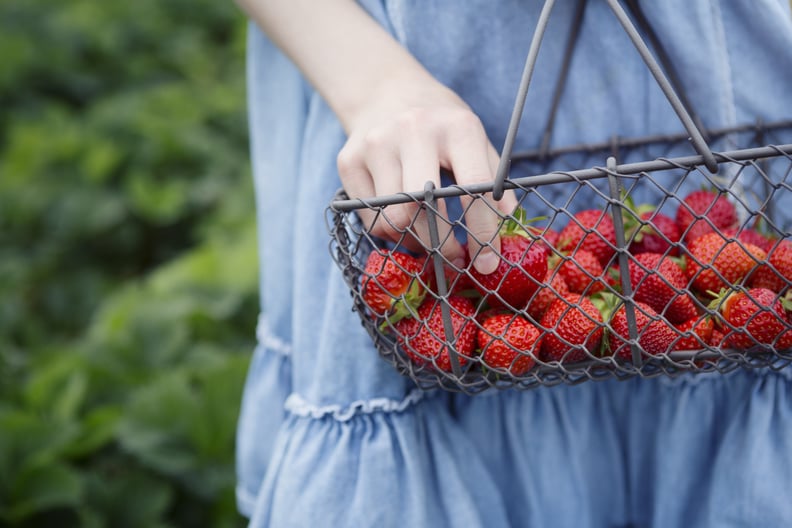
<point>767,168</point>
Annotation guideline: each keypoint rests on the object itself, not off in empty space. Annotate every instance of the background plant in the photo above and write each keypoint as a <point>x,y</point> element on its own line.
<point>127,261</point>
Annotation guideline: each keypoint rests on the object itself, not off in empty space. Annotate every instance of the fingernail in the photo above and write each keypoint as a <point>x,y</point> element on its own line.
<point>486,261</point>
<point>458,262</point>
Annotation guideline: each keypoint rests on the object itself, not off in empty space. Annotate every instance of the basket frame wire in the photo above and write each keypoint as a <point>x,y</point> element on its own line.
<point>696,137</point>
<point>624,275</point>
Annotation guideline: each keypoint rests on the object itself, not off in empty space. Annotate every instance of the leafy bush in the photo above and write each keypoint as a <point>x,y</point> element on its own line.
<point>127,261</point>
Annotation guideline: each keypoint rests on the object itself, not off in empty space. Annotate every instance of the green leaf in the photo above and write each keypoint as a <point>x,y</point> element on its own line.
<point>43,487</point>
<point>98,429</point>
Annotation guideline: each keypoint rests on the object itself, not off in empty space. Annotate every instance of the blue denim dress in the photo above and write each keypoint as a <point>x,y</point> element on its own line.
<point>331,435</point>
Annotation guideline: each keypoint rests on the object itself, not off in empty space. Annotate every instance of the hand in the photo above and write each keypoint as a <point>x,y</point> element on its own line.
<point>401,137</point>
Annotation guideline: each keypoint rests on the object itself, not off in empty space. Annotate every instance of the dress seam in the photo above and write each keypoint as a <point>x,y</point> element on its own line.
<point>267,338</point>
<point>298,406</point>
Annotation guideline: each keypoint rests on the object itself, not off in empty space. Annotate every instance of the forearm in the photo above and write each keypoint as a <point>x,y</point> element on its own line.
<point>340,49</point>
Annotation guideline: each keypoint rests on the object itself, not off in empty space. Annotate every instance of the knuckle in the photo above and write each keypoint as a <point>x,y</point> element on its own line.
<point>348,160</point>
<point>377,139</point>
<point>415,119</point>
<point>467,122</point>
<point>399,217</point>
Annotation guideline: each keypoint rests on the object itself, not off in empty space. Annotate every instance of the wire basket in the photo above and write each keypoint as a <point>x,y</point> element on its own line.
<point>651,263</point>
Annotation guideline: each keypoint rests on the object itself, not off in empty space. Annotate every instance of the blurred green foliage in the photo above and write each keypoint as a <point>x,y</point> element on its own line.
<point>127,261</point>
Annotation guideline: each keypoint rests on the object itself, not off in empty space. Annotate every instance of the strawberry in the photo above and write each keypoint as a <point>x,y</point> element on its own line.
<point>659,281</point>
<point>704,211</point>
<point>582,272</point>
<point>591,230</point>
<point>776,273</point>
<point>654,334</point>
<point>456,280</point>
<point>715,263</point>
<point>522,268</point>
<point>502,338</point>
<point>758,316</point>
<point>424,338</point>
<point>718,337</point>
<point>389,281</point>
<point>657,233</point>
<point>574,327</point>
<point>750,236</point>
<point>545,234</point>
<point>695,333</point>
<point>552,288</point>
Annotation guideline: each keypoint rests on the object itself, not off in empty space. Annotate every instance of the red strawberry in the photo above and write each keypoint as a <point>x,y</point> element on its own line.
<point>522,268</point>
<point>750,236</point>
<point>696,333</point>
<point>424,338</point>
<point>655,336</point>
<point>456,280</point>
<point>702,212</point>
<point>582,273</point>
<point>390,277</point>
<point>718,337</point>
<point>591,230</point>
<point>776,273</point>
<point>711,257</point>
<point>574,327</point>
<point>545,234</point>
<point>659,235</point>
<point>502,338</point>
<point>552,288</point>
<point>660,282</point>
<point>759,318</point>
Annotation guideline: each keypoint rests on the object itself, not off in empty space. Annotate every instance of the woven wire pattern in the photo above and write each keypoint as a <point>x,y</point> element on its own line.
<point>556,189</point>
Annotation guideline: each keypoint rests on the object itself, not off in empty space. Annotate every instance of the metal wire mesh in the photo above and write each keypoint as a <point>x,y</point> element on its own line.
<point>607,318</point>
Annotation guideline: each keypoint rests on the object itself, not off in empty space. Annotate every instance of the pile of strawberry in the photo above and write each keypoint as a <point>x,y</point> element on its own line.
<point>697,281</point>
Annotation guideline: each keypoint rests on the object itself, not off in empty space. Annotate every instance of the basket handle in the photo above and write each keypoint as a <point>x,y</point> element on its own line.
<point>696,137</point>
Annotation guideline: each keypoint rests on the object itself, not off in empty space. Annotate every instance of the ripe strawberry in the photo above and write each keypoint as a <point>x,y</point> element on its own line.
<point>591,230</point>
<point>456,280</point>
<point>711,257</point>
<point>718,337</point>
<point>695,333</point>
<point>544,234</point>
<point>522,268</point>
<point>703,211</point>
<point>659,281</point>
<point>390,280</point>
<point>574,327</point>
<point>776,273</point>
<point>423,337</point>
<point>659,235</point>
<point>582,273</point>
<point>552,288</point>
<point>759,318</point>
<point>502,338</point>
<point>750,236</point>
<point>654,334</point>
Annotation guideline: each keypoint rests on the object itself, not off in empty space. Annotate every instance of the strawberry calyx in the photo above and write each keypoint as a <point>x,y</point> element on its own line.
<point>786,301</point>
<point>607,303</point>
<point>520,224</point>
<point>406,305</point>
<point>721,301</point>
<point>635,227</point>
